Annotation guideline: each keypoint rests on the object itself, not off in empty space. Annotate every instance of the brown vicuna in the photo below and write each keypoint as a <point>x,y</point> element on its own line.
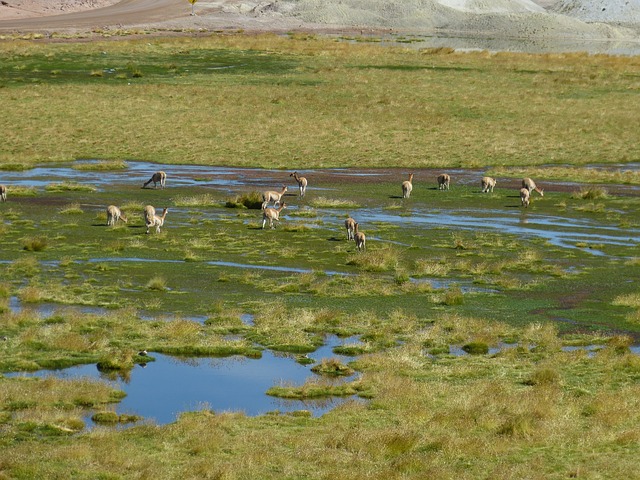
<point>114,214</point>
<point>531,186</point>
<point>153,220</point>
<point>302,183</point>
<point>444,181</point>
<point>488,184</point>
<point>350,225</point>
<point>525,197</point>
<point>272,196</point>
<point>360,239</point>
<point>3,193</point>
<point>407,186</point>
<point>158,177</point>
<point>272,215</point>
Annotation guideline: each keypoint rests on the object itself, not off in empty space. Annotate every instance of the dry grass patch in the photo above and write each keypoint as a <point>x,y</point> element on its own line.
<point>324,202</point>
<point>204,200</point>
<point>382,259</point>
<point>72,209</point>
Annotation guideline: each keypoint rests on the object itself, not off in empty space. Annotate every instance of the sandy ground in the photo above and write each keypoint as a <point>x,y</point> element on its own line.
<point>580,20</point>
<point>14,9</point>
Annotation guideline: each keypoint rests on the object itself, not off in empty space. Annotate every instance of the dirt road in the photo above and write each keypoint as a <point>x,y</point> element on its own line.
<point>126,12</point>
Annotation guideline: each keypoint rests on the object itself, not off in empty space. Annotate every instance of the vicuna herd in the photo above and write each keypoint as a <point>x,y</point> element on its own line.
<point>487,184</point>
<point>272,214</point>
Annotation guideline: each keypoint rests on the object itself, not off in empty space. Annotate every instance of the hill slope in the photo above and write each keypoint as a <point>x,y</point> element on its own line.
<point>624,11</point>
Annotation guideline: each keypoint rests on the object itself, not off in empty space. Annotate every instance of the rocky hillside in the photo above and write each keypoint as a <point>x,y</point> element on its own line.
<point>493,6</point>
<point>504,18</point>
<point>623,11</point>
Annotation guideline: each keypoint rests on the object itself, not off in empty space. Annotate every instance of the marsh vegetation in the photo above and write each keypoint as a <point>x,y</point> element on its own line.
<point>459,312</point>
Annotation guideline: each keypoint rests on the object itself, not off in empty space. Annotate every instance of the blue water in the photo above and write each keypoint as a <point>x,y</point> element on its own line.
<point>168,386</point>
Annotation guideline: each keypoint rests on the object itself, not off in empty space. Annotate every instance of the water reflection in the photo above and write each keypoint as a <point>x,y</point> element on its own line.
<point>164,388</point>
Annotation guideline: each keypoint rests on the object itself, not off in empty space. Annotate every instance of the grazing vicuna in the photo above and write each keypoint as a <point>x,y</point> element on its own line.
<point>114,214</point>
<point>302,183</point>
<point>272,196</point>
<point>407,186</point>
<point>272,214</point>
<point>158,177</point>
<point>531,186</point>
<point>3,193</point>
<point>350,225</point>
<point>525,197</point>
<point>360,239</point>
<point>444,181</point>
<point>488,184</point>
<point>153,220</point>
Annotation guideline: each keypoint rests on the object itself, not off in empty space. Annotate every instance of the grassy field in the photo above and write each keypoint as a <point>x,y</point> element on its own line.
<point>290,103</point>
<point>520,405</point>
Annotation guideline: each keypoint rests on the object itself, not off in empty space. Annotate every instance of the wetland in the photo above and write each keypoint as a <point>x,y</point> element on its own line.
<point>473,338</point>
<point>213,267</point>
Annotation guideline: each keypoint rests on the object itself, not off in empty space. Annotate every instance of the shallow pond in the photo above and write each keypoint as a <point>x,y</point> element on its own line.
<point>168,386</point>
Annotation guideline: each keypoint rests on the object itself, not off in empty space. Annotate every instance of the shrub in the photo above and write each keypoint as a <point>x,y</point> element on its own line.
<point>453,296</point>
<point>323,202</point>
<point>34,244</point>
<point>381,260</point>
<point>620,344</point>
<point>351,350</point>
<point>73,209</point>
<point>252,200</point>
<point>591,193</point>
<point>102,165</point>
<point>157,283</point>
<point>544,376</point>
<point>333,367</point>
<point>205,200</point>
<point>14,167</point>
<point>22,191</point>
<point>105,417</point>
<point>518,425</point>
<point>476,348</point>
<point>69,187</point>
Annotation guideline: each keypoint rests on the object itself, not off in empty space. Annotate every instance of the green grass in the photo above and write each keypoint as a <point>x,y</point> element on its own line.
<point>303,91</point>
<point>103,165</point>
<point>69,187</point>
<point>417,411</point>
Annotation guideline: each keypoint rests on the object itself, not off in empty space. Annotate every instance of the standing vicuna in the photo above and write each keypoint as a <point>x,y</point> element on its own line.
<point>531,186</point>
<point>3,193</point>
<point>302,183</point>
<point>350,225</point>
<point>272,196</point>
<point>524,197</point>
<point>158,177</point>
<point>444,181</point>
<point>488,184</point>
<point>272,214</point>
<point>360,239</point>
<point>153,220</point>
<point>407,186</point>
<point>114,214</point>
<point>149,213</point>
